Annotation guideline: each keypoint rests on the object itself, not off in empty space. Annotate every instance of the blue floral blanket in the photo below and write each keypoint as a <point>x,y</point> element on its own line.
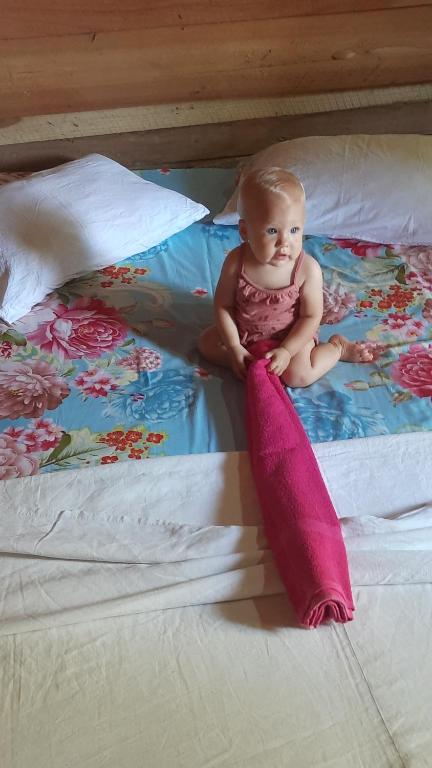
<point>107,369</point>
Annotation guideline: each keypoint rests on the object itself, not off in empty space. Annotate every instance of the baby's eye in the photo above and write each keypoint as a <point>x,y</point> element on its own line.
<point>271,230</point>
<point>294,230</point>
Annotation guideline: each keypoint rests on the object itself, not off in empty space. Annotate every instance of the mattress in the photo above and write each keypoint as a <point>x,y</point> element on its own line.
<point>128,382</point>
<point>223,686</point>
<point>142,621</point>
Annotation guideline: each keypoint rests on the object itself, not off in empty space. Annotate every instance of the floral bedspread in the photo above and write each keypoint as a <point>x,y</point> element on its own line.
<point>382,293</point>
<point>106,368</point>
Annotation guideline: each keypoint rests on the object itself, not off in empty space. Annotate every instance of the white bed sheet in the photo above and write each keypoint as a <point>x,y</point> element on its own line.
<point>95,671</point>
<point>174,532</point>
<point>221,686</point>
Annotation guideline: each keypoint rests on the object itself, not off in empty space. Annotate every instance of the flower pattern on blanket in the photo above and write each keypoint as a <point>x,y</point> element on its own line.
<point>361,248</point>
<point>333,416</point>
<point>413,370</point>
<point>15,460</point>
<point>29,388</point>
<point>154,398</point>
<point>338,302</point>
<point>41,435</point>
<point>419,260</point>
<point>106,368</point>
<point>86,328</point>
<point>393,288</point>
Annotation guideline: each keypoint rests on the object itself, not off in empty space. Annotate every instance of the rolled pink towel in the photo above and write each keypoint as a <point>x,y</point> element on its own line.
<point>300,521</point>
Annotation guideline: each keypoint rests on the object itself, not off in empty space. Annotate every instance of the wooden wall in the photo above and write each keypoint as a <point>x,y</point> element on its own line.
<point>61,56</point>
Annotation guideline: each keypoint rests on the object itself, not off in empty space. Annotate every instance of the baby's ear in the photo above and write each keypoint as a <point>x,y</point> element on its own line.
<point>243,230</point>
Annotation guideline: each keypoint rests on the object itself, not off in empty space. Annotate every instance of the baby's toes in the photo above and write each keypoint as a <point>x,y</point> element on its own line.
<point>375,349</point>
<point>366,353</point>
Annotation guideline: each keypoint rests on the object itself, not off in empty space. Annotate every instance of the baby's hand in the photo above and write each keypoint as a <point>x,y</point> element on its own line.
<point>240,358</point>
<point>280,360</point>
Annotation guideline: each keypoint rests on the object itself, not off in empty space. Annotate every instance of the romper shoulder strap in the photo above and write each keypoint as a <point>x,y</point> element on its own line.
<point>241,258</point>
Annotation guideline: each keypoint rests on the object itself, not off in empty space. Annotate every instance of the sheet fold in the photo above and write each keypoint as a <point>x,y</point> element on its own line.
<point>172,532</point>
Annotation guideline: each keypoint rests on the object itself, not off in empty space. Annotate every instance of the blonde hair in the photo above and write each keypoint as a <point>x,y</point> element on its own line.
<point>272,179</point>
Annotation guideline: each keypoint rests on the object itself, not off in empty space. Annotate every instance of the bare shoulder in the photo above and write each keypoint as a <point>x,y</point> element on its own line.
<point>310,269</point>
<point>232,261</point>
<point>311,265</point>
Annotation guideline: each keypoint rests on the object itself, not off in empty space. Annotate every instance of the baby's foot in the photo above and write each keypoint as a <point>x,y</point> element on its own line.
<point>356,351</point>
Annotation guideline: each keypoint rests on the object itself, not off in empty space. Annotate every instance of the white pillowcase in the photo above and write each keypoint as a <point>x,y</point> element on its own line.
<point>59,224</point>
<point>376,188</point>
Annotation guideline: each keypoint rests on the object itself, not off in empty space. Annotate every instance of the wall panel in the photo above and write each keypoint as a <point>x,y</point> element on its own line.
<point>256,58</point>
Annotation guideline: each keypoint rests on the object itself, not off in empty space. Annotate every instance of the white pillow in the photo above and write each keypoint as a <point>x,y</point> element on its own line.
<point>376,188</point>
<point>84,215</point>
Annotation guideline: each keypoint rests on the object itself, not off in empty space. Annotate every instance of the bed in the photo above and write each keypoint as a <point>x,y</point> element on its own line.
<point>143,621</point>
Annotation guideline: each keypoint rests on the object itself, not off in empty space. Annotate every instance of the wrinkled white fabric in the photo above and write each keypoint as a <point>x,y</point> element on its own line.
<point>180,531</point>
<point>220,684</point>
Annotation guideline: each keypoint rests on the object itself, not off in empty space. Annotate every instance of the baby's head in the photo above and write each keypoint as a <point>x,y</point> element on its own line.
<point>271,205</point>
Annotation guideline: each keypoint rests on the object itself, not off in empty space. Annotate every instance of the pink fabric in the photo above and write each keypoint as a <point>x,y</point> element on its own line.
<point>299,518</point>
<point>266,313</point>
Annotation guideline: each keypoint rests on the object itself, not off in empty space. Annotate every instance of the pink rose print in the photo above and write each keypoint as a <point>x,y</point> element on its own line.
<point>420,280</point>
<point>95,382</point>
<point>15,432</point>
<point>14,461</point>
<point>361,248</point>
<point>403,325</point>
<point>42,435</point>
<point>6,349</point>
<point>338,302</point>
<point>413,370</point>
<point>419,257</point>
<point>87,328</point>
<point>427,310</point>
<point>142,359</point>
<point>29,388</point>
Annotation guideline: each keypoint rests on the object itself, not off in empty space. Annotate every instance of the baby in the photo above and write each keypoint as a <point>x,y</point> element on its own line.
<point>269,288</point>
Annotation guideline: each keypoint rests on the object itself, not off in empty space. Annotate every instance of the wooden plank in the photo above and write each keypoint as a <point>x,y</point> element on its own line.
<point>134,119</point>
<point>70,17</point>
<point>208,144</point>
<point>244,59</point>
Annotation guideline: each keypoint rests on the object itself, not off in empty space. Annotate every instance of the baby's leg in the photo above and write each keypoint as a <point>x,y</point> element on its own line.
<point>211,347</point>
<point>314,361</point>
<point>356,351</point>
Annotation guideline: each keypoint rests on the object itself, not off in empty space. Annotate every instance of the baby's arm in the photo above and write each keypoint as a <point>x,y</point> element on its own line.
<point>224,304</point>
<point>224,301</point>
<point>307,324</point>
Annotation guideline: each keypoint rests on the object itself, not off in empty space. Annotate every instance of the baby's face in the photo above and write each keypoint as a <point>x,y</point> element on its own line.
<point>273,226</point>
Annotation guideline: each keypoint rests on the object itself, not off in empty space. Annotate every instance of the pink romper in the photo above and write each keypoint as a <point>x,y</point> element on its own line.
<point>266,313</point>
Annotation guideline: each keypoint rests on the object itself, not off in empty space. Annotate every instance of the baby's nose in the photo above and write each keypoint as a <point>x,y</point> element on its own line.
<point>284,238</point>
<point>283,242</point>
